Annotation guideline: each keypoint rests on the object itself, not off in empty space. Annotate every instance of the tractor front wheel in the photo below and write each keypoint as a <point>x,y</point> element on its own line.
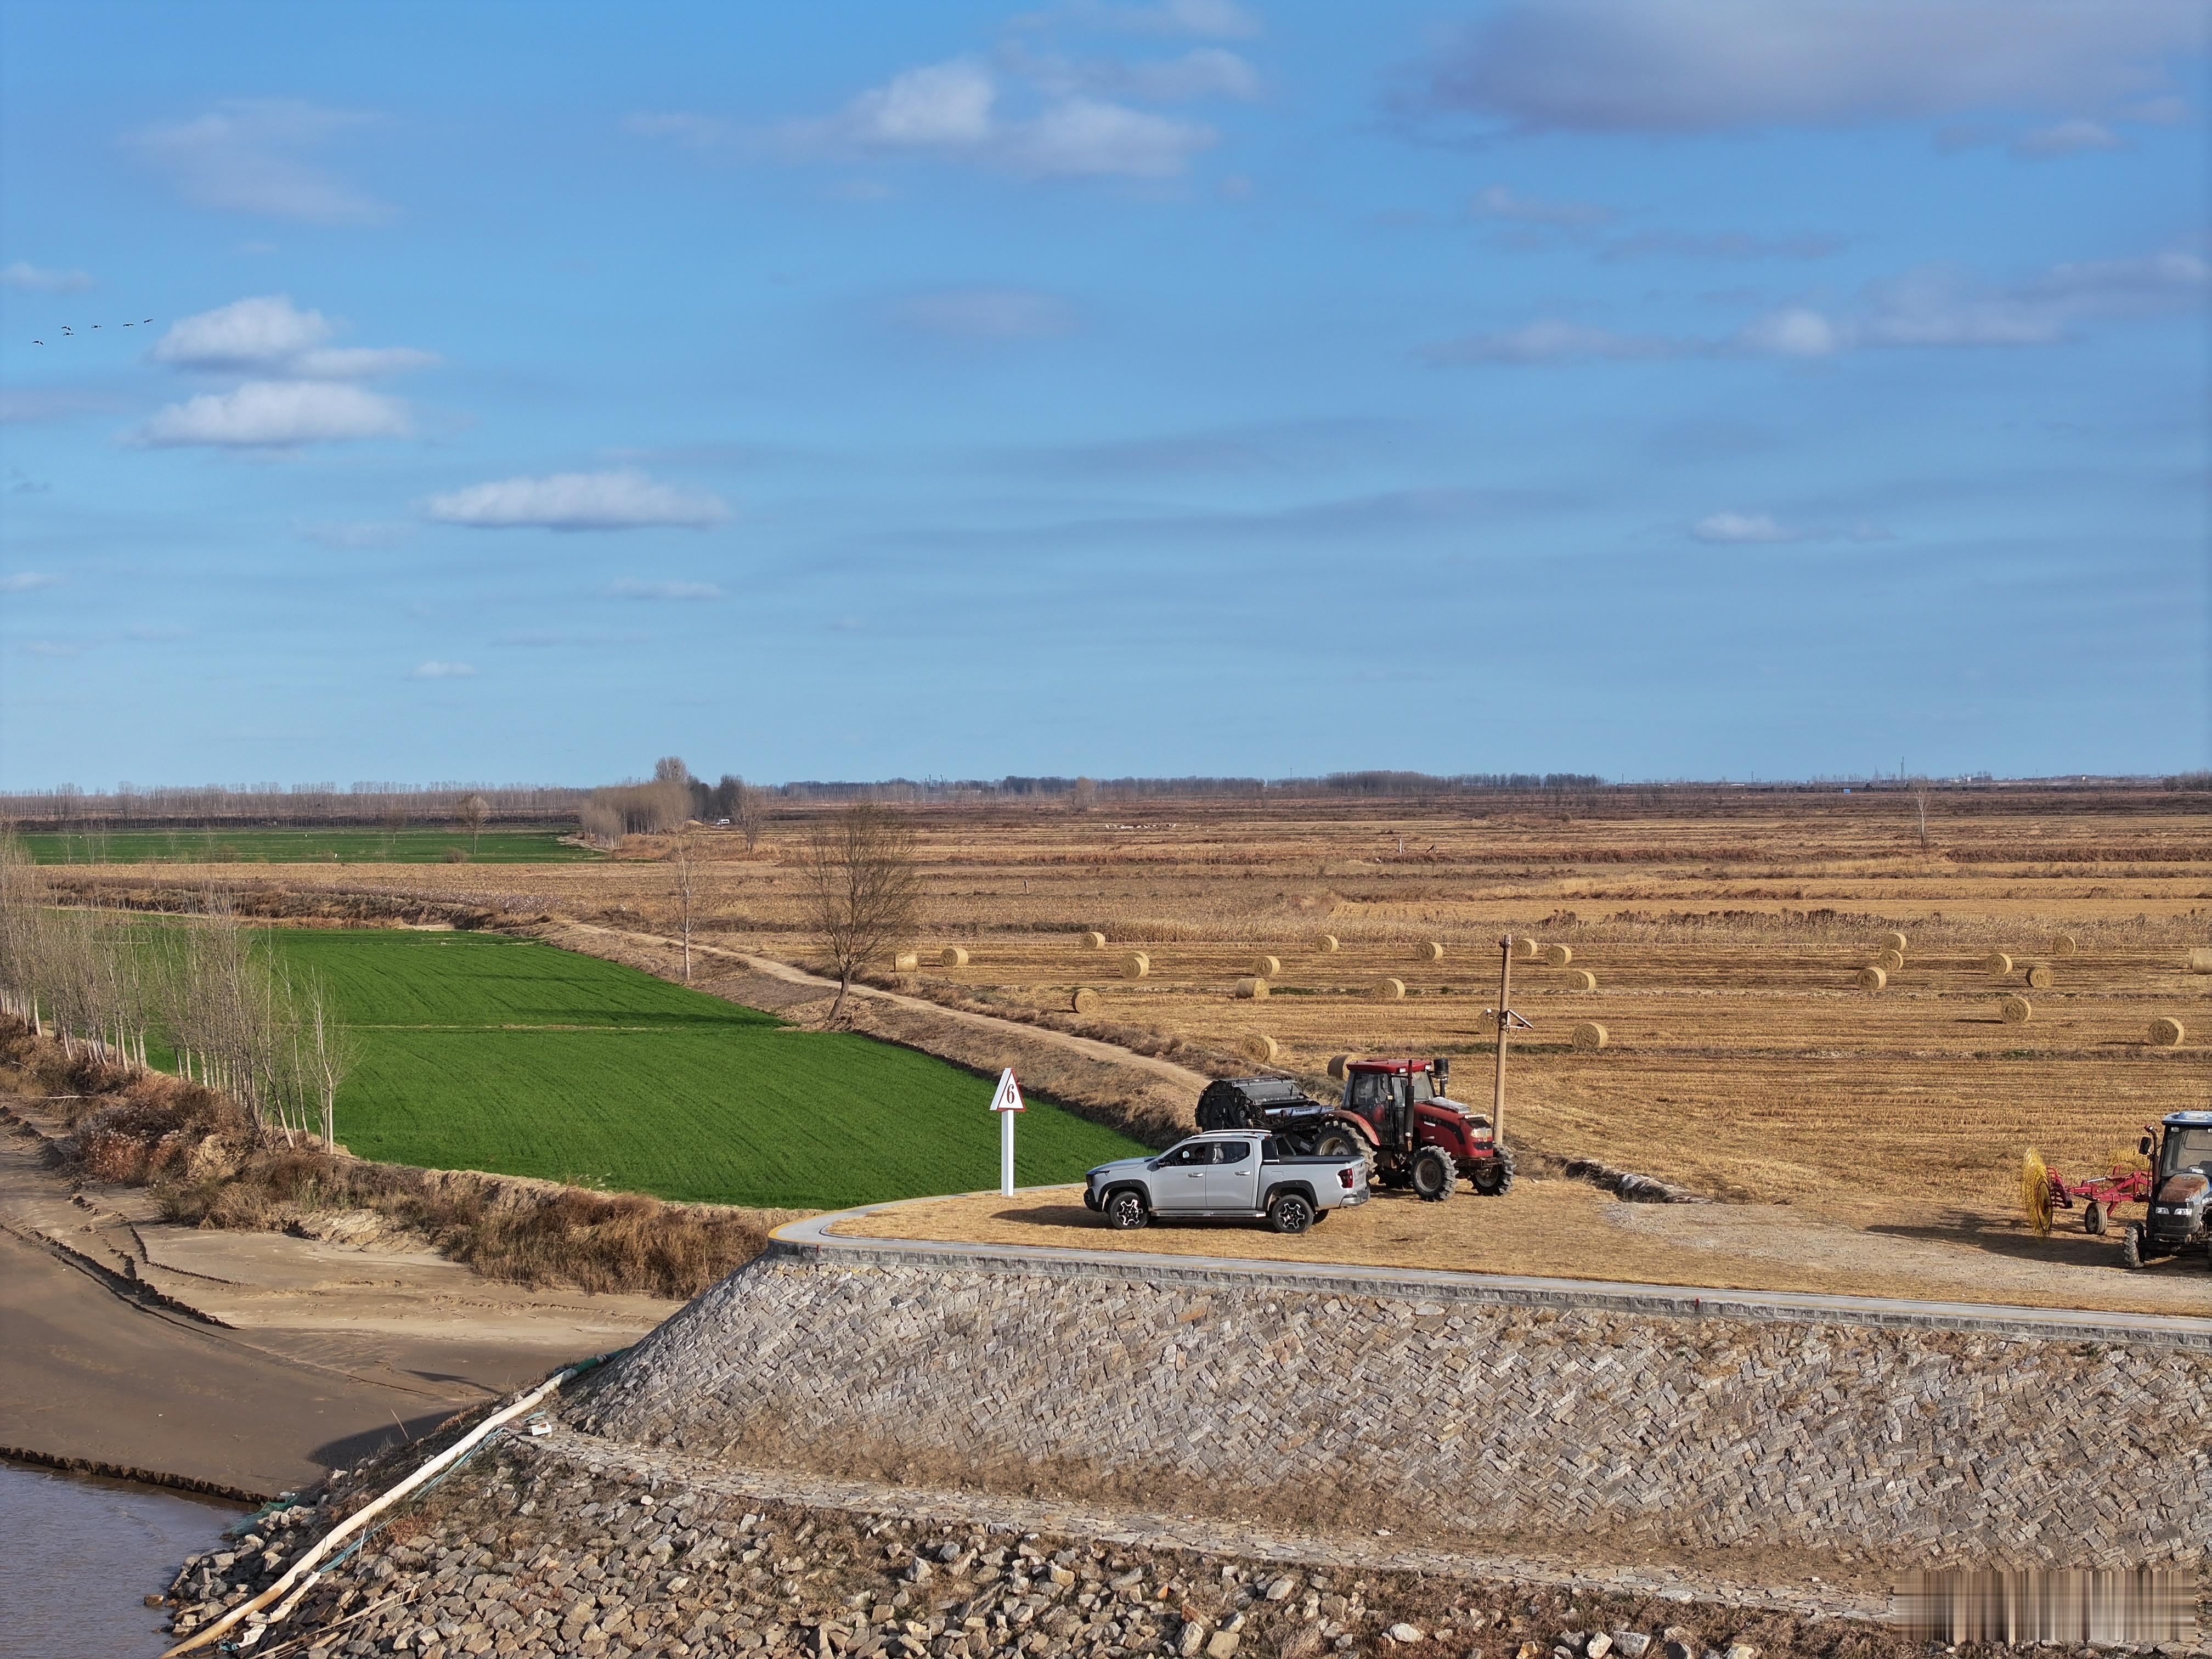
<point>1493,1175</point>
<point>1291,1212</point>
<point>1432,1174</point>
<point>2092,1219</point>
<point>2132,1247</point>
<point>1125,1212</point>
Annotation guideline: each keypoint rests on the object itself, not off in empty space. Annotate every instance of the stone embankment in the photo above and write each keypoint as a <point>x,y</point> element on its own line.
<point>537,1552</point>
<point>1606,1432</point>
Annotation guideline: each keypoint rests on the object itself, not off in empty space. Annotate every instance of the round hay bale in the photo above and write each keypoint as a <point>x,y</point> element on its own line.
<point>2064,944</point>
<point>1337,1063</point>
<point>1872,979</point>
<point>906,962</point>
<point>952,957</point>
<point>1326,943</point>
<point>1260,1048</point>
<point>1094,940</point>
<point>1431,951</point>
<point>1136,965</point>
<point>1252,990</point>
<point>1268,966</point>
<point>1526,949</point>
<point>1084,1001</point>
<point>2200,962</point>
<point>2166,1033</point>
<point>1590,1035</point>
<point>1893,942</point>
<point>1557,956</point>
<point>2016,1010</point>
<point>2038,976</point>
<point>1890,962</point>
<point>1581,979</point>
<point>1389,990</point>
<point>1997,962</point>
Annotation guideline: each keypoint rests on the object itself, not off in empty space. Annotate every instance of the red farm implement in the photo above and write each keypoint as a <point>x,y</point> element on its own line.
<point>2044,1191</point>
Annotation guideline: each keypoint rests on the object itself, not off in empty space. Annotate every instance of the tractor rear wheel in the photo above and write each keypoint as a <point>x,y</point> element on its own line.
<point>2092,1219</point>
<point>1291,1212</point>
<point>1431,1175</point>
<point>1493,1175</point>
<point>1125,1211</point>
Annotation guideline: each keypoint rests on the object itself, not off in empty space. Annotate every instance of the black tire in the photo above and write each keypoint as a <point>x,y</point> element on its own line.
<point>1290,1212</point>
<point>1125,1211</point>
<point>1431,1175</point>
<point>1337,1143</point>
<point>2131,1246</point>
<point>2092,1219</point>
<point>1490,1177</point>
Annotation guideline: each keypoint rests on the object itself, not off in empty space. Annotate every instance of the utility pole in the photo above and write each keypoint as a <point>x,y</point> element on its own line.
<point>1504,1024</point>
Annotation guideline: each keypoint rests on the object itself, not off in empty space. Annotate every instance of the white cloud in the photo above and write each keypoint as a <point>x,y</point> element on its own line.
<point>631,588</point>
<point>951,111</point>
<point>2065,138</point>
<point>269,334</point>
<point>577,501</point>
<point>1663,66</point>
<point>986,313</point>
<point>351,537</point>
<point>1498,203</point>
<point>276,414</point>
<point>50,648</point>
<point>442,671</point>
<point>1795,331</point>
<point>1737,527</point>
<point>1550,340</point>
<point>26,581</point>
<point>253,333</point>
<point>1089,136</point>
<point>244,157</point>
<point>1204,72</point>
<point>41,279</point>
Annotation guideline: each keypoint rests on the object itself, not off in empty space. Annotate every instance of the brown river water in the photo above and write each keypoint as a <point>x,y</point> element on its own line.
<point>79,1555</point>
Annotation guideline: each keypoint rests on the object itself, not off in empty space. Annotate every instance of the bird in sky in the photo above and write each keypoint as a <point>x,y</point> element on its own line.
<point>38,342</point>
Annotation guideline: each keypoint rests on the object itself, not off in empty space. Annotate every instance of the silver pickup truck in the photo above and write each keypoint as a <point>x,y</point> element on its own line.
<point>1242,1173</point>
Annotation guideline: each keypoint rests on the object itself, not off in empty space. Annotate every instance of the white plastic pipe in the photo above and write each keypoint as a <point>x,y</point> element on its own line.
<point>361,1517</point>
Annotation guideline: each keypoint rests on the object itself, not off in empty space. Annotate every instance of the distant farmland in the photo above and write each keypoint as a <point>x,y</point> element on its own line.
<point>295,846</point>
<point>481,1052</point>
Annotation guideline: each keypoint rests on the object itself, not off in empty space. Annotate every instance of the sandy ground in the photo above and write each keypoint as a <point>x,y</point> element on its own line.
<point>1571,1230</point>
<point>318,1351</point>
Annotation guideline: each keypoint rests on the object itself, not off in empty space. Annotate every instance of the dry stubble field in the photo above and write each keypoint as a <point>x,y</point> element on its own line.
<point>1724,930</point>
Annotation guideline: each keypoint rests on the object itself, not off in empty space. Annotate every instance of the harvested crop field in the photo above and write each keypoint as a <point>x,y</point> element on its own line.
<point>329,845</point>
<point>482,1052</point>
<point>1723,934</point>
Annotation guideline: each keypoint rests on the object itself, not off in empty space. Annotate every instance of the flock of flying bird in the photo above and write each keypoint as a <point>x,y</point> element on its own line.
<point>69,333</point>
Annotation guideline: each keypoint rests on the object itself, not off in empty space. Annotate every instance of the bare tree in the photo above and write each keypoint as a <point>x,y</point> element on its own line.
<point>471,814</point>
<point>747,811</point>
<point>863,887</point>
<point>1921,797</point>
<point>1084,795</point>
<point>682,854</point>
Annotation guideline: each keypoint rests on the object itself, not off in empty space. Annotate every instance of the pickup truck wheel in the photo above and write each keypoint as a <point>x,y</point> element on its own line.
<point>1125,1212</point>
<point>1291,1212</point>
<point>1432,1174</point>
<point>1493,1175</point>
<point>2092,1219</point>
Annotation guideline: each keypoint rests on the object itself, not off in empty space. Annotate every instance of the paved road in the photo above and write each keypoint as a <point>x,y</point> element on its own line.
<point>811,1236</point>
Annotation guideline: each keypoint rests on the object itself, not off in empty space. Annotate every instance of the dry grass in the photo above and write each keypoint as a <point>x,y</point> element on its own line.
<point>1724,933</point>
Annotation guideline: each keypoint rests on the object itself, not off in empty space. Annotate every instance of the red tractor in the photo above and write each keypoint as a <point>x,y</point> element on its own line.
<point>1395,1111</point>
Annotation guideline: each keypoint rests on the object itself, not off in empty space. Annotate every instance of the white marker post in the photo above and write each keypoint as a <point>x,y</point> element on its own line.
<point>1006,1103</point>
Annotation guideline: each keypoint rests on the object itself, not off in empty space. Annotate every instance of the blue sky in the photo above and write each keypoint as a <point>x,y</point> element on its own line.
<point>1654,388</point>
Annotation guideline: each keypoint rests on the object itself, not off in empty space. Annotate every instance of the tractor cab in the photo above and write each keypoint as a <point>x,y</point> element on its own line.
<point>2180,1208</point>
<point>1404,1104</point>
